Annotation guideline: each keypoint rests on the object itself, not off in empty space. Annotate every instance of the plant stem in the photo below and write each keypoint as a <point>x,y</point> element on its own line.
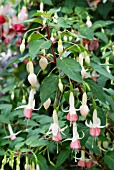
<point>52,50</point>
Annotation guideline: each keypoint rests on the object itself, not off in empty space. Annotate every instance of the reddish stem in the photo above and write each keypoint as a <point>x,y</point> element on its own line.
<point>52,50</point>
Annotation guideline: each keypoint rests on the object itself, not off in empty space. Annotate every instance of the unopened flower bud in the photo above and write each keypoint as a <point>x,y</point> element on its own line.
<point>41,7</point>
<point>30,67</point>
<point>22,46</point>
<point>43,62</point>
<point>60,47</point>
<point>32,78</point>
<point>65,38</point>
<point>47,103</point>
<point>60,85</point>
<point>87,59</point>
<point>12,95</point>
<point>37,167</point>
<point>88,22</point>
<point>105,144</point>
<point>84,110</point>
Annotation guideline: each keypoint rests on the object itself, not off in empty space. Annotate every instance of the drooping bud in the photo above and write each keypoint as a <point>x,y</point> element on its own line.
<point>22,46</point>
<point>41,7</point>
<point>60,47</point>
<point>30,67</point>
<point>37,167</point>
<point>47,103</point>
<point>87,59</point>
<point>32,78</point>
<point>60,85</point>
<point>43,62</point>
<point>65,38</point>
<point>88,22</point>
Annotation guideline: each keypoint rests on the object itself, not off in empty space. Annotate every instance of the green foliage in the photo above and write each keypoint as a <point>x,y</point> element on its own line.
<point>67,57</point>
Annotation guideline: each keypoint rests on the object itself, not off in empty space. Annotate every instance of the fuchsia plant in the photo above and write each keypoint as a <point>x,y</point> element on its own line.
<point>61,57</point>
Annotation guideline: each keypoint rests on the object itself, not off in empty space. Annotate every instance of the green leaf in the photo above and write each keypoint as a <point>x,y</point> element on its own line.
<point>96,90</point>
<point>4,119</point>
<point>100,69</point>
<point>34,37</point>
<point>87,32</point>
<point>102,36</point>
<point>48,87</point>
<point>63,155</point>
<point>19,145</point>
<point>37,45</point>
<point>37,143</point>
<point>109,159</point>
<point>91,145</point>
<point>71,68</point>
<point>42,162</point>
<point>48,2</point>
<point>100,24</point>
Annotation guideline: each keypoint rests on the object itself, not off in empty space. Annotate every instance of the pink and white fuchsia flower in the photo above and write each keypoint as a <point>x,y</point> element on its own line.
<point>75,140</point>
<point>72,115</point>
<point>84,108</point>
<point>55,129</point>
<point>95,127</point>
<point>12,135</point>
<point>30,106</point>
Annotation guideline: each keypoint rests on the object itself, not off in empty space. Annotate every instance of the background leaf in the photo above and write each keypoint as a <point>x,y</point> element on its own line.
<point>71,68</point>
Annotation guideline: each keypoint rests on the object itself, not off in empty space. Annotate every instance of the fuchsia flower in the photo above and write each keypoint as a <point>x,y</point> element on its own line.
<point>2,19</point>
<point>30,106</point>
<point>23,14</point>
<point>12,135</point>
<point>18,27</point>
<point>75,140</point>
<point>75,144</point>
<point>95,127</point>
<point>55,129</point>
<point>72,115</point>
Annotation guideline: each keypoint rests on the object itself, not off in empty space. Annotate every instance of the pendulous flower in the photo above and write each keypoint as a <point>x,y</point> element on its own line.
<point>95,127</point>
<point>12,135</point>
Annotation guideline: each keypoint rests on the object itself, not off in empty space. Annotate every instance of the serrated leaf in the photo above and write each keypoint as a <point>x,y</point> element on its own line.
<point>102,36</point>
<point>100,24</point>
<point>48,87</point>
<point>63,155</point>
<point>37,45</point>
<point>109,159</point>
<point>100,69</point>
<point>19,145</point>
<point>4,119</point>
<point>71,68</point>
<point>96,90</point>
<point>86,32</point>
<point>91,145</point>
<point>42,162</point>
<point>34,37</point>
<point>37,143</point>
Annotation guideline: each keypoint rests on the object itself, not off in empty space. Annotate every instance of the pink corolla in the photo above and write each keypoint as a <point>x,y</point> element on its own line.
<point>72,115</point>
<point>95,127</point>
<point>12,135</point>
